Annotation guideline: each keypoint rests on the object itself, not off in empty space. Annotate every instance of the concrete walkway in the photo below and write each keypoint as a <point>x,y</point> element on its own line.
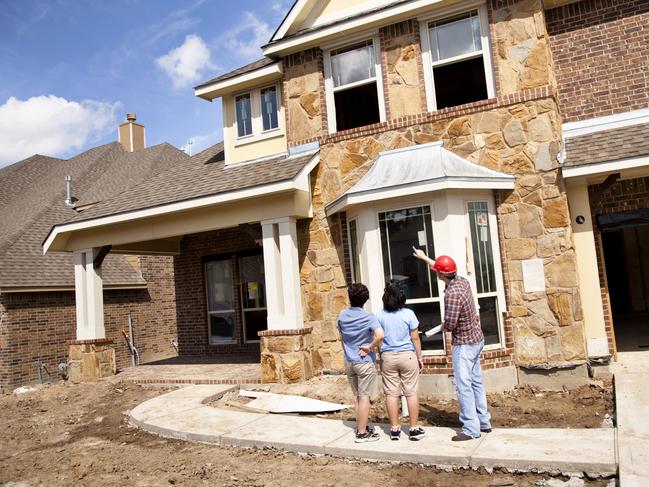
<point>184,414</point>
<point>632,408</point>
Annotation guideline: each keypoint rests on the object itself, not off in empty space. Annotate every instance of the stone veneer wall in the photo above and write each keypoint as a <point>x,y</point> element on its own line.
<point>40,324</point>
<point>519,136</point>
<point>403,76</point>
<point>304,96</point>
<point>521,47</point>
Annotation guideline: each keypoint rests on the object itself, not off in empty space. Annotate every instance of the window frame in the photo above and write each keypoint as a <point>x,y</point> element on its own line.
<point>401,205</point>
<point>352,265</point>
<point>495,249</point>
<point>243,309</point>
<point>427,58</point>
<point>237,292</point>
<point>206,262</point>
<point>258,133</point>
<point>330,89</point>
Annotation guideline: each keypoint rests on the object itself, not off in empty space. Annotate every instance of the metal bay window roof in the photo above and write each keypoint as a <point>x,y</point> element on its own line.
<point>419,169</point>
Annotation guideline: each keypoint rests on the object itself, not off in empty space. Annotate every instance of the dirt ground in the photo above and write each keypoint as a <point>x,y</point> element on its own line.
<point>67,434</point>
<point>524,407</point>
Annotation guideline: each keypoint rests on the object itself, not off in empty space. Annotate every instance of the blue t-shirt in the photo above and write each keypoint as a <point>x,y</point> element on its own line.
<point>357,328</point>
<point>397,326</point>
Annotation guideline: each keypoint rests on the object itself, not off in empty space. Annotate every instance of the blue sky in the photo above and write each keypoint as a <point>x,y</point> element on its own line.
<point>71,69</point>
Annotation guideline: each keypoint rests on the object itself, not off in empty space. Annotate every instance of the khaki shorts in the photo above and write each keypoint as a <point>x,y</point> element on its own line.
<point>400,372</point>
<point>363,378</point>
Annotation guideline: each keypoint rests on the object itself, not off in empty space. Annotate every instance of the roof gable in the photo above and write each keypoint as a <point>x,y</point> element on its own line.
<point>309,14</point>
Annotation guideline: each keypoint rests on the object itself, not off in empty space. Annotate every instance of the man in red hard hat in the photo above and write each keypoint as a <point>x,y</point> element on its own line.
<point>461,319</point>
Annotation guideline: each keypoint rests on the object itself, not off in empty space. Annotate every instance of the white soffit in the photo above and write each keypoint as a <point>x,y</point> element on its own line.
<point>609,122</point>
<point>240,82</point>
<point>419,169</point>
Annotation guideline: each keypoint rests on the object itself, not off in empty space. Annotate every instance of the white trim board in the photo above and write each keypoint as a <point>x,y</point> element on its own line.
<point>299,182</point>
<point>219,88</point>
<point>417,188</point>
<point>604,167</point>
<point>385,16</point>
<point>609,122</point>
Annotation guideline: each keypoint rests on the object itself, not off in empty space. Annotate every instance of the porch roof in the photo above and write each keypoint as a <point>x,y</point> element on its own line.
<point>618,150</point>
<point>419,169</point>
<point>201,181</point>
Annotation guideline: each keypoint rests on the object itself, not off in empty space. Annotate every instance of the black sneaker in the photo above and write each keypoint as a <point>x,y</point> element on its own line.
<point>366,436</point>
<point>369,428</point>
<point>394,434</point>
<point>417,433</point>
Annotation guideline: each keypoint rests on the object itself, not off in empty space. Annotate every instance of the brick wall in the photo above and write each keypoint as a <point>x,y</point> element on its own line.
<point>191,299</point>
<point>630,194</point>
<point>38,325</point>
<point>601,56</point>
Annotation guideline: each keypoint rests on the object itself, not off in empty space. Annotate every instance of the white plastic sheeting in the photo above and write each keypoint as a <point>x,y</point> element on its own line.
<point>286,403</point>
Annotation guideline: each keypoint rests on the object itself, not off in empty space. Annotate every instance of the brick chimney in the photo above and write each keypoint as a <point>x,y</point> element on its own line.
<point>131,134</point>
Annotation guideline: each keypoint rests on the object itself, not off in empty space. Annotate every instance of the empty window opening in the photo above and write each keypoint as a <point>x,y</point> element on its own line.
<point>355,92</point>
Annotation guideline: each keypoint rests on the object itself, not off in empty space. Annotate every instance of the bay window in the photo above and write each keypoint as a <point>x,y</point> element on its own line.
<point>354,86</point>
<point>457,62</point>
<point>381,237</point>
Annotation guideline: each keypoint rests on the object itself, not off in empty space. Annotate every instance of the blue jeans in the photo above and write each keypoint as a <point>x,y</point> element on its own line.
<point>470,389</point>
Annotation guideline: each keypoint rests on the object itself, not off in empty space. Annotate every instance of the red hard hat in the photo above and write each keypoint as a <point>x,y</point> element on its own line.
<point>444,265</point>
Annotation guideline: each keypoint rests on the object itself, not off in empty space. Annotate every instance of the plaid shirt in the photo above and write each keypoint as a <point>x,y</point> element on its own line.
<point>460,315</point>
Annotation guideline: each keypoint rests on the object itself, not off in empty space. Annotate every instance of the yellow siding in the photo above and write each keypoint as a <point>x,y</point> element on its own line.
<point>254,149</point>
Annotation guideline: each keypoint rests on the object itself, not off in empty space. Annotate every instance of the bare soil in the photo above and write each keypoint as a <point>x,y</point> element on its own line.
<point>66,434</point>
<point>523,407</point>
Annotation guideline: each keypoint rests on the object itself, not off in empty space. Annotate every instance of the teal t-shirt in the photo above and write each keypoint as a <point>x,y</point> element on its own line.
<point>397,326</point>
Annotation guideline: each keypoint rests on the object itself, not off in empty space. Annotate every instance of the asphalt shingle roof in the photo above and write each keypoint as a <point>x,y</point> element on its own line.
<point>608,145</point>
<point>32,194</point>
<point>204,174</point>
<point>248,68</point>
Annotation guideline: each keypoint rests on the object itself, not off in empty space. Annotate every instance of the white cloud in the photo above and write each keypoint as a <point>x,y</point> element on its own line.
<point>201,142</point>
<point>244,41</point>
<point>186,63</point>
<point>51,125</point>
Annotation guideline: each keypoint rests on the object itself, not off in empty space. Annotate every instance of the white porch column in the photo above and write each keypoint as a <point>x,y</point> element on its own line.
<point>89,296</point>
<point>281,266</point>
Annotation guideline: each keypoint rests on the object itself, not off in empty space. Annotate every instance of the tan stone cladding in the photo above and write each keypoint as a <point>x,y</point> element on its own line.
<point>304,92</point>
<point>522,55</point>
<point>90,360</point>
<point>403,78</point>
<point>286,355</point>
<point>521,139</point>
<point>601,56</point>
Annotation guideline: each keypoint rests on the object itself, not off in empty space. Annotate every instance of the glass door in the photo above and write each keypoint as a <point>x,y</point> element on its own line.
<point>253,296</point>
<point>220,301</point>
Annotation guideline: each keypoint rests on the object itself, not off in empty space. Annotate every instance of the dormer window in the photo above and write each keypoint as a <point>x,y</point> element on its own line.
<point>354,95</point>
<point>257,114</point>
<point>455,51</point>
